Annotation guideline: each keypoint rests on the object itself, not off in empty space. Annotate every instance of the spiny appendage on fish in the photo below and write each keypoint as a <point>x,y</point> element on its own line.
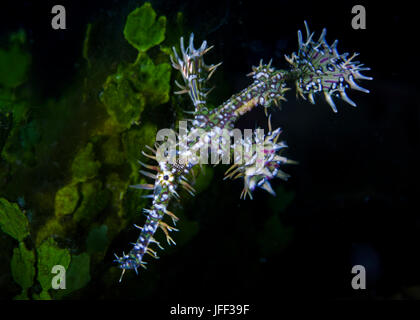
<point>324,71</point>
<point>166,178</point>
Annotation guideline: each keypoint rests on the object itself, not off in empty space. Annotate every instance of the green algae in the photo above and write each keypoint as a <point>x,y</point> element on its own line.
<point>77,275</point>
<point>23,269</point>
<point>112,152</point>
<point>36,131</point>
<point>122,102</point>
<point>10,105</point>
<point>142,83</point>
<point>142,30</point>
<point>152,80</point>
<point>85,52</point>
<point>94,200</point>
<point>20,147</point>
<point>14,62</point>
<point>118,187</point>
<point>84,165</point>
<point>49,255</point>
<point>30,135</point>
<point>14,66</point>
<point>13,221</point>
<point>136,137</point>
<point>66,200</point>
<point>135,86</point>
<point>52,227</point>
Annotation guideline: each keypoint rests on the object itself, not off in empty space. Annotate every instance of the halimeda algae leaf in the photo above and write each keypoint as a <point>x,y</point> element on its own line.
<point>142,30</point>
<point>13,221</point>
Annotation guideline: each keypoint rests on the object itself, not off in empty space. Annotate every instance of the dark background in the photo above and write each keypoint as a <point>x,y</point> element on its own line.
<point>356,185</point>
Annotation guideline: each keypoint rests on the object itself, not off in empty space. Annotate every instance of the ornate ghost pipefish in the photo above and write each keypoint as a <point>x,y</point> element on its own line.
<point>316,69</point>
